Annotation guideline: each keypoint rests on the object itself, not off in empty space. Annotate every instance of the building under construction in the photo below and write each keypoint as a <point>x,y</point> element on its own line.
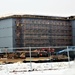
<point>36,31</point>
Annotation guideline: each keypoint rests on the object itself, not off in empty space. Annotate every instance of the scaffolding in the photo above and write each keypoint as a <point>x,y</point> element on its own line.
<point>35,33</point>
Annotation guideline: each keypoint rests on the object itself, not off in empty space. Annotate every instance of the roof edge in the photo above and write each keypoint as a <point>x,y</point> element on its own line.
<point>38,16</point>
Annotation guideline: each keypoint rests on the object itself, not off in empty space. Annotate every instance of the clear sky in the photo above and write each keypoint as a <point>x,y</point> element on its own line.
<point>38,7</point>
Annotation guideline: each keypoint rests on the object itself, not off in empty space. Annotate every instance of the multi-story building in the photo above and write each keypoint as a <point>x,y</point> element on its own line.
<point>36,31</point>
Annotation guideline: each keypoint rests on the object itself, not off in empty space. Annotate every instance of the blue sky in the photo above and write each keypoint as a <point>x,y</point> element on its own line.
<point>38,7</point>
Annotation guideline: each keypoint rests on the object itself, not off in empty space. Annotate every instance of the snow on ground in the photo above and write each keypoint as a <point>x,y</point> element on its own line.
<point>54,68</point>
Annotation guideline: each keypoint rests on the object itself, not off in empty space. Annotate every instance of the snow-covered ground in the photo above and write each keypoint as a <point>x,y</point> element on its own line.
<point>54,68</point>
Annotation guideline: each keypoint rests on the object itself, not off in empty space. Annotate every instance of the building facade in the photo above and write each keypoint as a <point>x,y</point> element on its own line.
<point>36,31</point>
